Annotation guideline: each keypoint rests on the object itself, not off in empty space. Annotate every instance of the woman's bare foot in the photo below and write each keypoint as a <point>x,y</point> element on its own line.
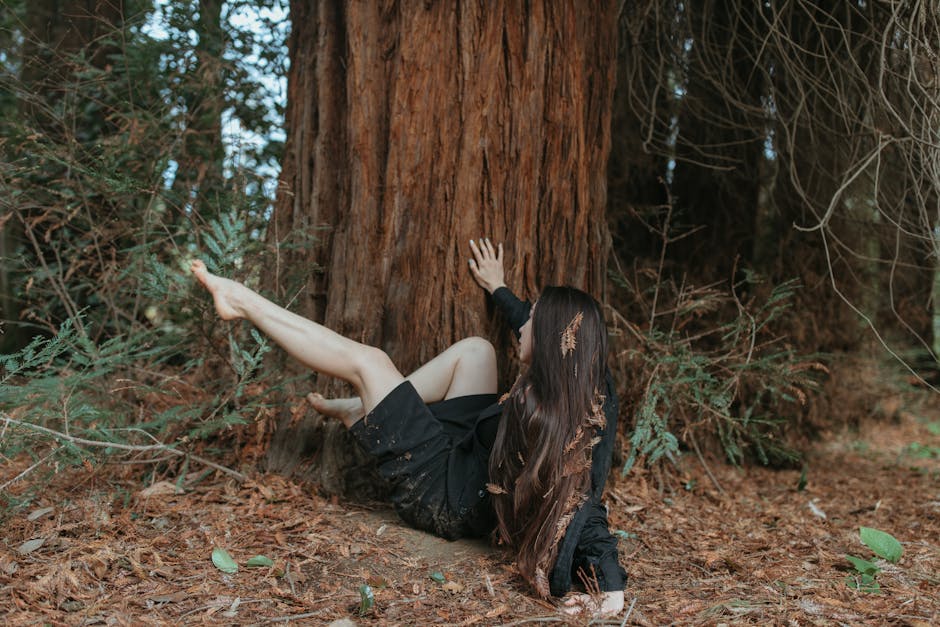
<point>348,410</point>
<point>224,291</point>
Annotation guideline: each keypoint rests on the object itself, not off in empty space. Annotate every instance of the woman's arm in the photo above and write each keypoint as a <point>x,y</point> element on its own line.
<point>487,268</point>
<point>597,557</point>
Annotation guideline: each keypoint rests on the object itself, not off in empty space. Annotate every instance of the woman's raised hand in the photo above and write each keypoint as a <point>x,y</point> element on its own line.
<point>487,265</point>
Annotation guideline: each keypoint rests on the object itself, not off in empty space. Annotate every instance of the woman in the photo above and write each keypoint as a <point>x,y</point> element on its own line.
<point>536,461</point>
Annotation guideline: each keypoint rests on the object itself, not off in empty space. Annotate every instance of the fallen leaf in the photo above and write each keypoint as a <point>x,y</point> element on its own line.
<point>259,561</point>
<point>223,561</point>
<point>453,587</point>
<point>98,566</point>
<point>499,610</point>
<point>816,510</point>
<point>39,513</point>
<point>30,545</point>
<point>233,609</point>
<point>160,488</point>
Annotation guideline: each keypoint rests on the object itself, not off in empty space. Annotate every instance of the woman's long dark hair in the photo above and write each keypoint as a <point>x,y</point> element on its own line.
<point>540,466</point>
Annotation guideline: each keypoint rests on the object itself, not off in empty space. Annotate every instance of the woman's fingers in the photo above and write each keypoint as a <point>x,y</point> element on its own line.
<point>485,249</point>
<point>480,251</point>
<point>608,604</point>
<point>486,266</point>
<point>576,604</point>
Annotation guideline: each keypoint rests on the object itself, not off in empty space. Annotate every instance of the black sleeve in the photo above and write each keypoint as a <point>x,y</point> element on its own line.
<point>596,553</point>
<point>602,455</point>
<point>515,310</point>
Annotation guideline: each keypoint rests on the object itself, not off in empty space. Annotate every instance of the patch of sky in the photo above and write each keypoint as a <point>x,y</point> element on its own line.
<point>263,28</point>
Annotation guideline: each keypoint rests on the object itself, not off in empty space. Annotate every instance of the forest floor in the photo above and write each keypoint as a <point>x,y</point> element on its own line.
<point>97,547</point>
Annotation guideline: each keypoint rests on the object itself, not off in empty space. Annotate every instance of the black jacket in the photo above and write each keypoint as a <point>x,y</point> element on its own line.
<point>588,545</point>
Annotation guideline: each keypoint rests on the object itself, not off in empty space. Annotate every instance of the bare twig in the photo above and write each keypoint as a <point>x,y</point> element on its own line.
<point>626,616</point>
<point>124,447</point>
<point>27,471</point>
<point>701,459</point>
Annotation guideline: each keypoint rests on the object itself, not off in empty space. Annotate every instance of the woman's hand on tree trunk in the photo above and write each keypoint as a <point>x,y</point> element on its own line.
<point>487,265</point>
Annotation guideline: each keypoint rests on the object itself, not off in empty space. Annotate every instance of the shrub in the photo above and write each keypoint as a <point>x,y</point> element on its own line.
<point>710,367</point>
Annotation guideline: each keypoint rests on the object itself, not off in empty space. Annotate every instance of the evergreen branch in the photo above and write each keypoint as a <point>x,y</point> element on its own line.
<point>140,448</point>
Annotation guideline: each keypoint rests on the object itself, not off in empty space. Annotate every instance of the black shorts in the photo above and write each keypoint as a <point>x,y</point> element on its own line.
<point>416,448</point>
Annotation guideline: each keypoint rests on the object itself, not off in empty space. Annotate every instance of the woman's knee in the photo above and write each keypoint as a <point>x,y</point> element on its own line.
<point>371,363</point>
<point>477,351</point>
<point>475,368</point>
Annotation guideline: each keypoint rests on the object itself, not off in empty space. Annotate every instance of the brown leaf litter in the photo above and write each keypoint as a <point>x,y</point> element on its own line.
<point>98,548</point>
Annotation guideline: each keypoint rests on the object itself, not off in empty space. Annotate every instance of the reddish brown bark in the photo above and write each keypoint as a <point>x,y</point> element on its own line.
<point>416,126</point>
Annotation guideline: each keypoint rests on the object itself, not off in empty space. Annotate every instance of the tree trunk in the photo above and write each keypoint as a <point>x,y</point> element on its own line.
<point>414,127</point>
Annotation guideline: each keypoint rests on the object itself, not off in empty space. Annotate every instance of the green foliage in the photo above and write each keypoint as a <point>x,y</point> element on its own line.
<point>38,353</point>
<point>366,599</point>
<point>708,378</point>
<point>864,578</point>
<point>101,172</point>
<point>110,348</point>
<point>922,451</point>
<point>885,546</point>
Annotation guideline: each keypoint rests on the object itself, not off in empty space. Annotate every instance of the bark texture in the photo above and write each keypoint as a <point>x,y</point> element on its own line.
<point>414,126</point>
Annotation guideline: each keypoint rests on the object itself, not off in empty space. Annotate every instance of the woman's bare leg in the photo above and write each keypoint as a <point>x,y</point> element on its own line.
<point>367,369</point>
<point>465,368</point>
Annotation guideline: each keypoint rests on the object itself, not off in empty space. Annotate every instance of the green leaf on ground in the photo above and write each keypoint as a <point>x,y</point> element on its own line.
<point>259,561</point>
<point>862,566</point>
<point>883,544</point>
<point>867,584</point>
<point>801,485</point>
<point>367,599</point>
<point>438,577</point>
<point>223,561</point>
